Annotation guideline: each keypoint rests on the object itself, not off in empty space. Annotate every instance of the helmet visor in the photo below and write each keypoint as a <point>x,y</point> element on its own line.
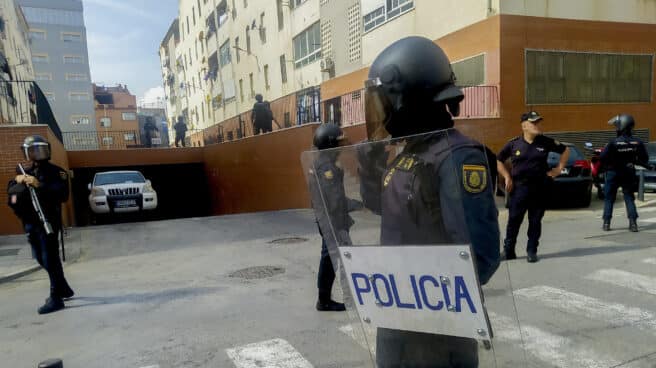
<point>378,110</point>
<point>37,151</point>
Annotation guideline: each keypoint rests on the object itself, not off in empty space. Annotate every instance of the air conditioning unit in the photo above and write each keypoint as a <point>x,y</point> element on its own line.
<point>327,64</point>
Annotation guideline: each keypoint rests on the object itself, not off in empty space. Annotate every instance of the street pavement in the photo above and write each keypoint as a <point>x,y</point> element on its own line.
<point>239,291</point>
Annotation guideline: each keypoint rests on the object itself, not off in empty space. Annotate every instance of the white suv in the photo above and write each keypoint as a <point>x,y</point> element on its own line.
<point>121,191</point>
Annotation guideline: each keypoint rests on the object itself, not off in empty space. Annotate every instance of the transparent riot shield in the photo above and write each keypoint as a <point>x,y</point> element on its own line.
<point>412,230</point>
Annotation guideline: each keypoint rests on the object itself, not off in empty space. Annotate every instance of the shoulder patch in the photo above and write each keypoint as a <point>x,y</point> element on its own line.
<point>474,178</point>
<point>329,175</point>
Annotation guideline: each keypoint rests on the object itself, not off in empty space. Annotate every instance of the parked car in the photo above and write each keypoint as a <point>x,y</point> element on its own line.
<point>574,185</point>
<point>121,191</point>
<point>650,172</point>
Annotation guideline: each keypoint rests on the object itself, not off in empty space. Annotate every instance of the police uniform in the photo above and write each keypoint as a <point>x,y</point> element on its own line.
<point>420,205</point>
<point>531,183</point>
<point>619,158</point>
<point>52,192</point>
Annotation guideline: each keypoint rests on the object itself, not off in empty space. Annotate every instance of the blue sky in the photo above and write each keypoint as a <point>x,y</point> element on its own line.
<point>124,38</point>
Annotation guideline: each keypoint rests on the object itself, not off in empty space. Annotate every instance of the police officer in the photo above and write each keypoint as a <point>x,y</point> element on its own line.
<point>619,158</point>
<point>180,132</point>
<point>149,131</point>
<point>327,178</point>
<point>51,185</point>
<point>529,182</point>
<point>438,189</point>
<point>261,116</point>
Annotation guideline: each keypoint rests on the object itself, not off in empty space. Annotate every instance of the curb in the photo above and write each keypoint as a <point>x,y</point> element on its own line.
<point>18,274</point>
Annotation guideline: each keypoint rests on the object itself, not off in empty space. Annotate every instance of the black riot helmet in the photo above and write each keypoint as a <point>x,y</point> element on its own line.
<point>328,136</point>
<point>258,97</point>
<point>36,148</point>
<point>410,85</point>
<point>623,123</point>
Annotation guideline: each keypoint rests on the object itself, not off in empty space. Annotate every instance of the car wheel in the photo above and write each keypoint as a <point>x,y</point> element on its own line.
<point>587,198</point>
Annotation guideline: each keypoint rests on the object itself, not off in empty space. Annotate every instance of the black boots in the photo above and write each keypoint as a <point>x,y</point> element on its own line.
<point>633,226</point>
<point>330,306</point>
<point>606,226</point>
<point>508,253</point>
<point>53,304</point>
<point>532,257</point>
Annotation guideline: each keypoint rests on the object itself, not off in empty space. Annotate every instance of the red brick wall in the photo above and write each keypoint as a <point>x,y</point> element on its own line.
<point>11,138</point>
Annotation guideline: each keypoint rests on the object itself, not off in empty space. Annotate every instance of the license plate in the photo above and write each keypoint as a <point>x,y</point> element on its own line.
<point>126,203</point>
<point>564,171</point>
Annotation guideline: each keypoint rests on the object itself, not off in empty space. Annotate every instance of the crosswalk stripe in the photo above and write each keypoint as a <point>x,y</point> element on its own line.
<point>650,260</point>
<point>648,220</point>
<point>613,313</point>
<point>276,353</point>
<point>552,349</point>
<point>643,284</point>
<point>358,337</point>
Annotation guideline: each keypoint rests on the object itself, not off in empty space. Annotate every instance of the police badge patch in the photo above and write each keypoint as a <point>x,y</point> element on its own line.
<point>474,178</point>
<point>328,175</point>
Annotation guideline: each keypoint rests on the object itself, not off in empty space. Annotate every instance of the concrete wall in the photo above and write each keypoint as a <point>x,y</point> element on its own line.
<point>631,11</point>
<point>11,138</point>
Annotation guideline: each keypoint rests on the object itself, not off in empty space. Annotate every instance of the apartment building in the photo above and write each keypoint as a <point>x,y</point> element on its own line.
<point>61,62</point>
<point>577,63</point>
<point>116,117</point>
<point>172,90</point>
<point>16,69</point>
<point>231,50</point>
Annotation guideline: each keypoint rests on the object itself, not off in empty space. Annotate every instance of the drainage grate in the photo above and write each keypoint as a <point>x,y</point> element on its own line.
<point>257,272</point>
<point>9,252</point>
<point>290,240</point>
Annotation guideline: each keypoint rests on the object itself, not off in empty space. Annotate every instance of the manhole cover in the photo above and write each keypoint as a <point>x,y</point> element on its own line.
<point>9,252</point>
<point>290,240</point>
<point>257,272</point>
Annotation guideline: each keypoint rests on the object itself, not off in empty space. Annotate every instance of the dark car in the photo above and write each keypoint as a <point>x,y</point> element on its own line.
<point>650,173</point>
<point>574,185</point>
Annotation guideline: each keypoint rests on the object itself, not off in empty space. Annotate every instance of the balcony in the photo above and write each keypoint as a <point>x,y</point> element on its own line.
<point>23,102</point>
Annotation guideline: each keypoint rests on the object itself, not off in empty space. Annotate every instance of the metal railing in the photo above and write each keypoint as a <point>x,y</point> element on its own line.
<point>124,139</point>
<point>480,102</point>
<point>23,102</point>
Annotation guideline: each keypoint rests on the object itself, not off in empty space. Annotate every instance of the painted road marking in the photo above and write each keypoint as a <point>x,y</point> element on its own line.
<point>643,284</point>
<point>650,261</point>
<point>552,349</point>
<point>276,353</point>
<point>613,313</point>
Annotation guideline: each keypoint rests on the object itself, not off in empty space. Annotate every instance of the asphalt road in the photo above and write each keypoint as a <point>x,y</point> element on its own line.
<point>215,292</point>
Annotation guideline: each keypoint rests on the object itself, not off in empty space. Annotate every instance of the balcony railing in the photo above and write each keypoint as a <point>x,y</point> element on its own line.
<point>122,139</point>
<point>23,102</point>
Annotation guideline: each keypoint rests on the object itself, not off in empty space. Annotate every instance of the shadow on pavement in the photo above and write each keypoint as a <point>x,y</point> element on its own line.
<point>582,252</point>
<point>159,297</point>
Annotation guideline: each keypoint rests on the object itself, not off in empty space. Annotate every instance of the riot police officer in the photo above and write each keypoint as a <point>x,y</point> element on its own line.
<point>529,182</point>
<point>330,178</point>
<point>51,186</point>
<point>619,158</point>
<point>438,189</point>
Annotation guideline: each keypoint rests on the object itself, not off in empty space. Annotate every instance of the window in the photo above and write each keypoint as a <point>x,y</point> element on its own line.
<point>40,58</point>
<point>108,141</point>
<point>37,34</point>
<point>222,12</point>
<point>391,10</point>
<point>76,77</point>
<point>554,77</point>
<point>295,3</point>
<point>129,137</point>
<point>71,59</point>
<point>245,3</point>
<point>266,77</point>
<point>105,122</point>
<point>307,46</point>
<point>129,116</point>
<point>199,9</point>
<point>202,109</point>
<point>224,54</point>
<point>234,10</point>
<point>187,24</point>
<point>196,48</point>
<point>71,37</point>
<point>470,72</point>
<point>50,96</point>
<point>79,96</point>
<point>237,48</point>
<point>281,17</point>
<point>248,40</point>
<point>53,16</point>
<point>43,76</point>
<point>262,29</point>
<point>193,83</point>
<point>193,14</point>
<point>250,80</point>
<point>283,68</point>
<point>190,59</point>
<point>241,89</point>
<point>79,120</point>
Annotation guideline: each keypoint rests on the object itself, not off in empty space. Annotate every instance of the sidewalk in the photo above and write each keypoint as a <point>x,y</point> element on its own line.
<point>16,255</point>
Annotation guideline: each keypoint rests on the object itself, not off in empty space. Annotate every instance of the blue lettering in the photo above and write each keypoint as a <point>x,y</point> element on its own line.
<point>399,303</point>
<point>390,300</point>
<point>360,289</point>
<point>415,291</point>
<point>462,293</point>
<point>422,282</point>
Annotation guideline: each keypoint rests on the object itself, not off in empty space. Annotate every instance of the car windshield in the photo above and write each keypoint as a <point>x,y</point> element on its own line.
<point>574,155</point>
<point>119,178</point>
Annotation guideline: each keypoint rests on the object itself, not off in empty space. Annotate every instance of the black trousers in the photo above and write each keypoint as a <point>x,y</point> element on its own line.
<point>180,138</point>
<point>262,128</point>
<point>45,248</point>
<point>326,276</point>
<point>527,197</point>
